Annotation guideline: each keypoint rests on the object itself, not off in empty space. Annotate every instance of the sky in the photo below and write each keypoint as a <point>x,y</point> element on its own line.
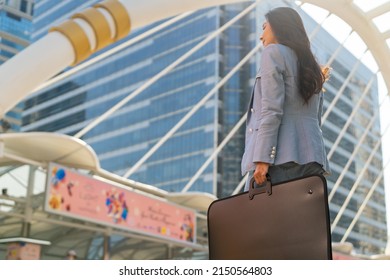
<point>357,47</point>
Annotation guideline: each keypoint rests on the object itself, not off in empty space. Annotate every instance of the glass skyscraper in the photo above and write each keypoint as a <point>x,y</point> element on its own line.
<point>121,140</point>
<point>15,31</point>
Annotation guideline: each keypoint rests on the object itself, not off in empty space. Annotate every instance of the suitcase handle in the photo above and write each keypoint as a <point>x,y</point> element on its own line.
<point>255,189</point>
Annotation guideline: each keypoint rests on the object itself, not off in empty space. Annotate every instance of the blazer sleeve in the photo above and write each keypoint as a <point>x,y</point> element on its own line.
<point>271,91</point>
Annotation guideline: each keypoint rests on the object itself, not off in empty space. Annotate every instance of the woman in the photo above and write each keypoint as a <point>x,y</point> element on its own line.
<point>283,135</point>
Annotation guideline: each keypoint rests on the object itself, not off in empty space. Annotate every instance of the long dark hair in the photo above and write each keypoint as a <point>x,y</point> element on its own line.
<point>289,30</point>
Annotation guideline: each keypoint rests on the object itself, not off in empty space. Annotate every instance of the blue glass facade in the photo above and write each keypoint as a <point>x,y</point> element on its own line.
<point>235,94</point>
<point>15,25</point>
<point>128,134</point>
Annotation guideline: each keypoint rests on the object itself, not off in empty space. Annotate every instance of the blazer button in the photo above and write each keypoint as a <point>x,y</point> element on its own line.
<point>272,156</point>
<point>273,152</point>
<point>250,129</point>
<point>252,110</point>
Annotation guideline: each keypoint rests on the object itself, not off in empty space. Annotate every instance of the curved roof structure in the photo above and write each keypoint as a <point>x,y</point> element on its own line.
<point>48,147</point>
<point>40,148</point>
<point>365,18</point>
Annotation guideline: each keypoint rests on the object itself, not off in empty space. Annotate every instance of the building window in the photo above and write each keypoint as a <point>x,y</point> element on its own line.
<point>14,17</point>
<point>24,6</point>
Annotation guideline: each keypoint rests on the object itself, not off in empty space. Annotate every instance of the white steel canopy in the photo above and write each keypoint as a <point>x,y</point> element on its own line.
<point>362,20</point>
<point>40,148</point>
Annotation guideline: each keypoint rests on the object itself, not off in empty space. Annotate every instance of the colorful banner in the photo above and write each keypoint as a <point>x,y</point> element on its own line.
<point>23,251</point>
<point>75,195</point>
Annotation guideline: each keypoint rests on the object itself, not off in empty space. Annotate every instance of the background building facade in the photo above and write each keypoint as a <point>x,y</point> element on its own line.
<point>120,141</point>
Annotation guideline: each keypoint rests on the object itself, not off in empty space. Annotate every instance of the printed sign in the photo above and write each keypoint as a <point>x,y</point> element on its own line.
<point>75,195</point>
<point>23,251</point>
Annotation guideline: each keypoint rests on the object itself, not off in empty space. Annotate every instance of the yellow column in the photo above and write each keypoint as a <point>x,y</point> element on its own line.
<point>77,35</point>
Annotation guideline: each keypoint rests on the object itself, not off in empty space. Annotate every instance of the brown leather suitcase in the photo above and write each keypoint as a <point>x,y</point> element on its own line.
<point>286,221</point>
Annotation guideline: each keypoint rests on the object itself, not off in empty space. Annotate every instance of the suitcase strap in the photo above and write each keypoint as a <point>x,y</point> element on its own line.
<point>255,189</point>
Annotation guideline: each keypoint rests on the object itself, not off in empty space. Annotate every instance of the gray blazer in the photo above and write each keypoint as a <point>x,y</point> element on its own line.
<point>280,128</point>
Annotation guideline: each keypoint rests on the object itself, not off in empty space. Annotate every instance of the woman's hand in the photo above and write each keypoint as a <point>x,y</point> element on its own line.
<point>260,172</point>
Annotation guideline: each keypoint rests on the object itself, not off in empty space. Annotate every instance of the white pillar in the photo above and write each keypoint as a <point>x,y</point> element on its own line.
<point>143,12</point>
<point>34,65</point>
